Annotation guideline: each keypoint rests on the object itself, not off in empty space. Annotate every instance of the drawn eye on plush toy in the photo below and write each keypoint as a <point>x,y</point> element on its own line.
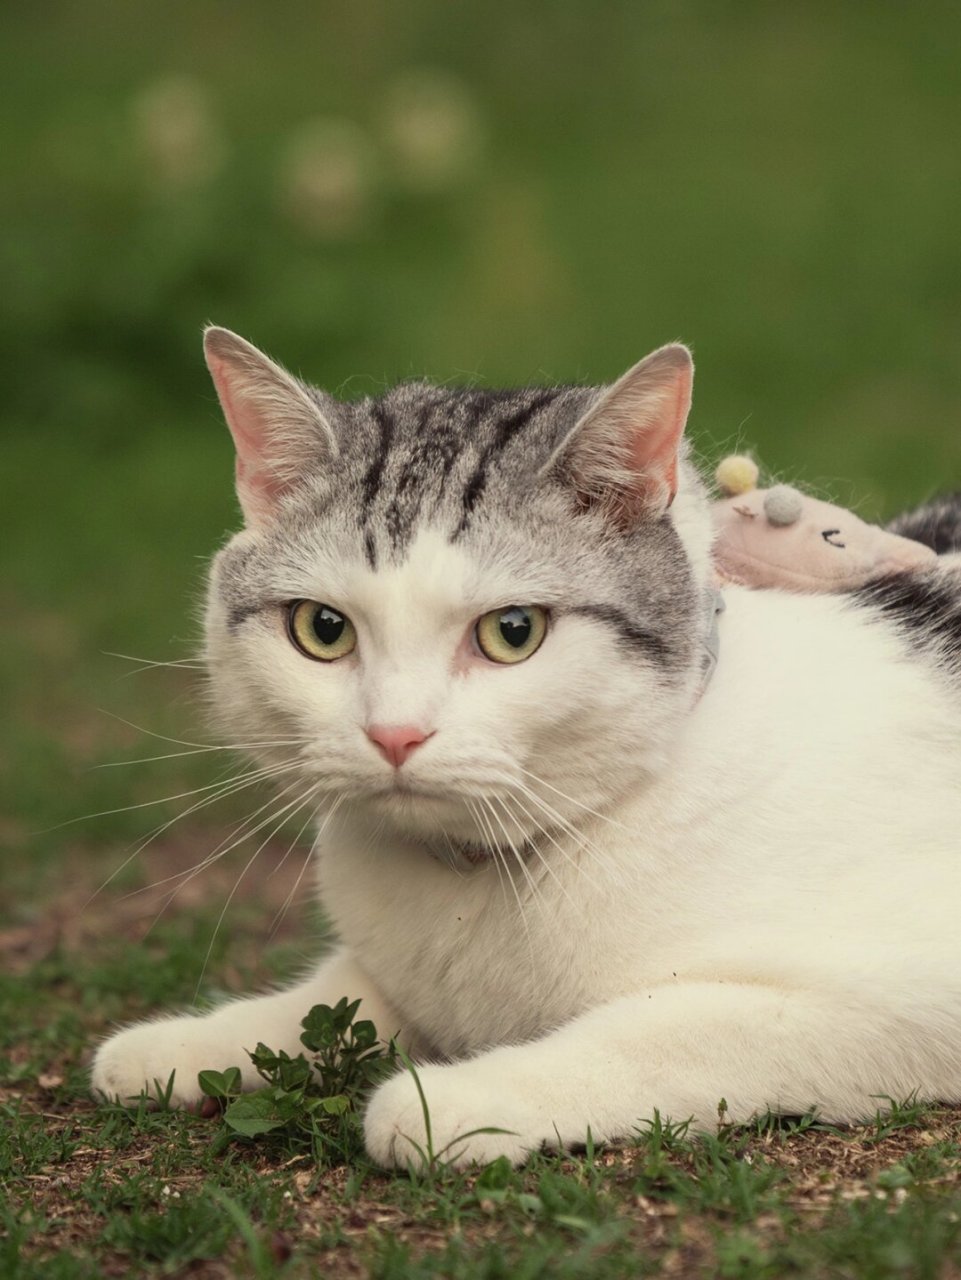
<point>828,534</point>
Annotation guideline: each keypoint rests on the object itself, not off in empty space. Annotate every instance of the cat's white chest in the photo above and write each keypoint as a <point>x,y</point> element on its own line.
<point>471,959</point>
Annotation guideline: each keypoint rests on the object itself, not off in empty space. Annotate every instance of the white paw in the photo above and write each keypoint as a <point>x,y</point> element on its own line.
<point>140,1059</point>
<point>460,1102</point>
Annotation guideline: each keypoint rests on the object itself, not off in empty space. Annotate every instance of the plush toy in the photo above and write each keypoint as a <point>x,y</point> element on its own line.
<point>780,537</point>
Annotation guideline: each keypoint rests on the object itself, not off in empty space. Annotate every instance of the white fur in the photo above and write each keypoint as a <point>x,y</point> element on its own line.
<point>753,899</point>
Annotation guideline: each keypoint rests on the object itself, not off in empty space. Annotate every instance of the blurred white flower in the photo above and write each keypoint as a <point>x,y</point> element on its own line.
<point>327,178</point>
<point>434,129</point>
<point>176,132</point>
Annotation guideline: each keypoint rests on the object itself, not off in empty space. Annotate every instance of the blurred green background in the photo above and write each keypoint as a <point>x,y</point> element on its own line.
<point>508,192</point>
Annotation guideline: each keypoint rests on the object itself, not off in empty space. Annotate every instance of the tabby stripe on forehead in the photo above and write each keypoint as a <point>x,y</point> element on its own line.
<point>370,549</point>
<point>649,643</point>
<point>506,430</point>
<point>375,472</point>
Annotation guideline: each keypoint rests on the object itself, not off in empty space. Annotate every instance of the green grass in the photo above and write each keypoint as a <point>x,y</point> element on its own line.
<point>106,1190</point>
<point>109,1190</point>
<point>777,184</point>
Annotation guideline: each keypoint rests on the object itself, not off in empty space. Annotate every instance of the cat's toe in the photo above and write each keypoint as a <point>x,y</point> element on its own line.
<point>469,1122</point>
<point>142,1059</point>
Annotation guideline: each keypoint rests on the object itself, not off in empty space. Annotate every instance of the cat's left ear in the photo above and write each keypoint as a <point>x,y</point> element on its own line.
<point>623,454</point>
<point>279,429</point>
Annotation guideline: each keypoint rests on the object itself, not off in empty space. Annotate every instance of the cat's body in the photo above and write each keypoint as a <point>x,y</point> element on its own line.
<point>597,881</point>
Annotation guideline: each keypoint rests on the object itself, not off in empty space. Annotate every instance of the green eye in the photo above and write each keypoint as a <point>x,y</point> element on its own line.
<point>511,634</point>
<point>320,631</point>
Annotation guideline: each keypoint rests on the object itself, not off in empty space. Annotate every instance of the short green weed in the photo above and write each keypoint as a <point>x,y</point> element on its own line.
<point>312,1101</point>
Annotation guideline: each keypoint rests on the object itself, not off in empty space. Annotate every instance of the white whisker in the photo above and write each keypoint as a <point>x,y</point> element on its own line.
<point>560,821</point>
<point>517,855</point>
<point>328,817</point>
<point>219,850</point>
<point>180,742</point>
<point>602,817</point>
<point>287,811</point>
<point>485,839</point>
<point>149,664</point>
<point>542,830</point>
<point>499,855</point>
<point>254,775</point>
<point>229,788</point>
<point>197,751</point>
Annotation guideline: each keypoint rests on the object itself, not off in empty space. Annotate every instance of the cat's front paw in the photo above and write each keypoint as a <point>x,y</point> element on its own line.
<point>141,1059</point>
<point>460,1104</point>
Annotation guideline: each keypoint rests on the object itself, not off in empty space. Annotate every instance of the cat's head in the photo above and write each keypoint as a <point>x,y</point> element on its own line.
<point>468,613</point>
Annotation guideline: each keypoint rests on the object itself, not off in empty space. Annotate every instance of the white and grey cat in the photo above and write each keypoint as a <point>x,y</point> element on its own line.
<point>578,881</point>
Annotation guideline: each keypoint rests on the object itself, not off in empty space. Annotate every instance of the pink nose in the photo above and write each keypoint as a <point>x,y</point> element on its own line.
<point>396,742</point>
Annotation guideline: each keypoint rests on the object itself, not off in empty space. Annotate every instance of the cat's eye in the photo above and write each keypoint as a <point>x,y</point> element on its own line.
<point>511,634</point>
<point>320,631</point>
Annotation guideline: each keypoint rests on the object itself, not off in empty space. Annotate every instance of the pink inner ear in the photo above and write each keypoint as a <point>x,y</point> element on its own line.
<point>258,488</point>
<point>655,444</point>
<point>242,419</point>
<point>255,482</point>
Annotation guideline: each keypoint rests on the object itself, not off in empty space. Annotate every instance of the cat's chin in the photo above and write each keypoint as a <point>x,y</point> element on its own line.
<point>427,816</point>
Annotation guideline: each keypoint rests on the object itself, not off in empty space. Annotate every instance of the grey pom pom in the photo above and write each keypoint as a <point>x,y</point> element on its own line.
<point>783,505</point>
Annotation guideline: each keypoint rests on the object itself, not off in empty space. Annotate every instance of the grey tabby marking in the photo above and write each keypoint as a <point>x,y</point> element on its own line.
<point>633,636</point>
<point>468,463</point>
<point>506,429</point>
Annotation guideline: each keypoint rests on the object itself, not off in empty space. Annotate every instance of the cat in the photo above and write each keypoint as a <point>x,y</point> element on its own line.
<point>579,869</point>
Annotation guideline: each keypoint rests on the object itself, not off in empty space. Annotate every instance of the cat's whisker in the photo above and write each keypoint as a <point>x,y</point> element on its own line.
<point>500,854</point>
<point>602,817</point>
<point>293,844</point>
<point>518,856</point>
<point>180,742</point>
<point>567,827</point>
<point>453,855</point>
<point>606,870</point>
<point>328,818</point>
<point>491,840</point>
<point>545,862</point>
<point>229,788</point>
<point>485,839</point>
<point>286,812</point>
<point>253,775</point>
<point>241,831</point>
<point>308,855</point>
<point>151,733</point>
<point>197,751</point>
<point>149,664</point>
<point>153,662</point>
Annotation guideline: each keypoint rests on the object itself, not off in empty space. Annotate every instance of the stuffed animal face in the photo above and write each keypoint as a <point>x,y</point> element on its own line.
<point>782,538</point>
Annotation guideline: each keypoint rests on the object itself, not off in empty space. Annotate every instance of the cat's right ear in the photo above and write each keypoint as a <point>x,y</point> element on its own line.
<point>279,430</point>
<point>623,455</point>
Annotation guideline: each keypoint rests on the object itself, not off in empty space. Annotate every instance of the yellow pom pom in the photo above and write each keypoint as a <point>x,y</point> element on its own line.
<point>736,474</point>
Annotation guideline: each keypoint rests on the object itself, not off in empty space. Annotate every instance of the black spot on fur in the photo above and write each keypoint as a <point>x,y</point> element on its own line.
<point>937,524</point>
<point>926,606</point>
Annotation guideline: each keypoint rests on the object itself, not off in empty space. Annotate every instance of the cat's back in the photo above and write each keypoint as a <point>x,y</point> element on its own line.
<point>829,738</point>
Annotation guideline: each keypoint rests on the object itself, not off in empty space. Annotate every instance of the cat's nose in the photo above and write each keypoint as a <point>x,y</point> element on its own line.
<point>396,742</point>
